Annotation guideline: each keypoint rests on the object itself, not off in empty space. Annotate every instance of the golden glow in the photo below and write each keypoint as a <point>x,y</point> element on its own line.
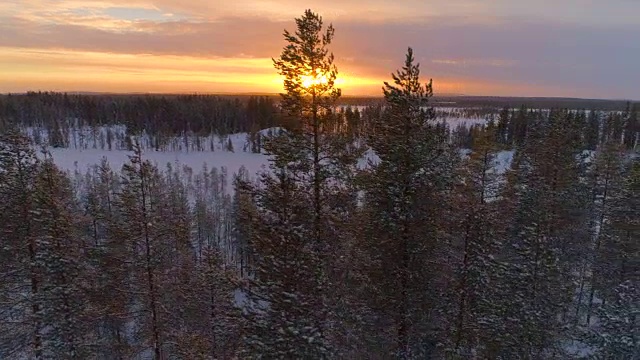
<point>66,70</point>
<point>310,81</point>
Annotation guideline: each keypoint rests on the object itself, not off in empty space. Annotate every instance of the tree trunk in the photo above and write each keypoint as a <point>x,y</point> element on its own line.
<point>150,279</point>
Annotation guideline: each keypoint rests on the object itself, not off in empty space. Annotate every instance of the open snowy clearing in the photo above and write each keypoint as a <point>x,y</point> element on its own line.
<point>69,159</point>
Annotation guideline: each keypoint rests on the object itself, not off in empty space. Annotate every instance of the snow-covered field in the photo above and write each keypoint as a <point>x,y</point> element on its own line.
<point>87,148</point>
<point>69,159</point>
<point>72,159</point>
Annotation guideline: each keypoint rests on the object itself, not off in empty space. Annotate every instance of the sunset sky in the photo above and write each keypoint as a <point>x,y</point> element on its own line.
<point>574,48</point>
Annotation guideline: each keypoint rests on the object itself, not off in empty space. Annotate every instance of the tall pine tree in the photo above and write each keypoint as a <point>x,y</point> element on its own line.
<point>302,204</point>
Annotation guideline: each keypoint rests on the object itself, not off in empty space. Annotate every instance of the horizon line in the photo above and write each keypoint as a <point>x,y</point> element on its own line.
<point>258,93</point>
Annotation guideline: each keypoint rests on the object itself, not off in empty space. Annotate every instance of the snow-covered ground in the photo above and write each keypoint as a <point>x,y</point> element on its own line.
<point>72,159</point>
<point>83,157</point>
<point>87,148</point>
<point>81,160</point>
<point>503,161</point>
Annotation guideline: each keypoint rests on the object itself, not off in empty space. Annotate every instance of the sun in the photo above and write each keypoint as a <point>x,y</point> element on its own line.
<point>310,81</point>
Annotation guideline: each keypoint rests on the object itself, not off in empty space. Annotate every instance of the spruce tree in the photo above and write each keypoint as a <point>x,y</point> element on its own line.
<point>476,227</point>
<point>20,287</point>
<point>140,202</point>
<point>606,181</point>
<point>59,258</point>
<point>592,130</point>
<point>615,334</point>
<point>243,213</point>
<point>110,263</point>
<point>547,238</point>
<point>210,322</point>
<point>632,128</point>
<point>403,191</point>
<point>502,133</point>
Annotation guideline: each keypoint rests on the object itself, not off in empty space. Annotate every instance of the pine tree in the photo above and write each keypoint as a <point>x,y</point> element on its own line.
<point>140,203</point>
<point>302,205</point>
<point>502,131</point>
<point>402,191</point>
<point>211,323</point>
<point>615,334</point>
<point>196,281</point>
<point>519,125</point>
<point>547,238</point>
<point>606,177</point>
<point>177,261</point>
<point>109,262</point>
<point>243,215</point>
<point>632,128</point>
<point>20,284</point>
<point>619,248</point>
<point>477,217</point>
<point>59,258</point>
<point>592,130</point>
<point>281,308</point>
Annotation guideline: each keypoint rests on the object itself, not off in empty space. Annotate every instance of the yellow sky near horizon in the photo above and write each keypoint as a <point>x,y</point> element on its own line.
<point>63,70</point>
<point>502,47</point>
<point>76,71</point>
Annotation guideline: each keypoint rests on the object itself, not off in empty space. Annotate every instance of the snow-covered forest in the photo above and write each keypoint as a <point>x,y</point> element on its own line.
<point>204,227</point>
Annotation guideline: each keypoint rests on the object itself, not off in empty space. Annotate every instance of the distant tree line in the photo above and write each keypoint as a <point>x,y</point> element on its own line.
<point>590,128</point>
<point>168,122</point>
<point>498,102</point>
<point>155,114</point>
<point>187,122</point>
